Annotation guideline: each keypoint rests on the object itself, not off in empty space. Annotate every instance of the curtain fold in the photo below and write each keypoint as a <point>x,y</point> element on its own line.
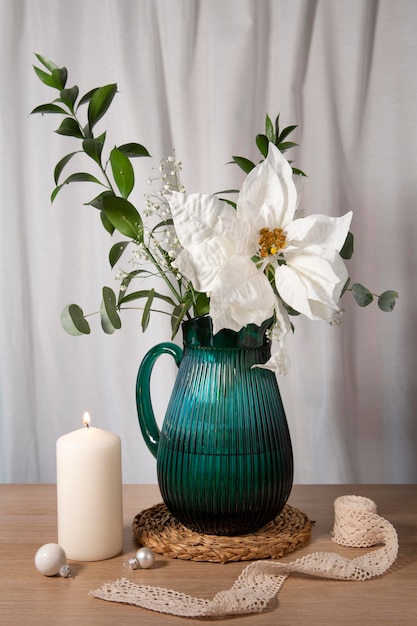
<point>199,76</point>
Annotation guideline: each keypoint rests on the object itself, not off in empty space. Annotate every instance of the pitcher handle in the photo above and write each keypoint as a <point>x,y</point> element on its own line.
<point>146,417</point>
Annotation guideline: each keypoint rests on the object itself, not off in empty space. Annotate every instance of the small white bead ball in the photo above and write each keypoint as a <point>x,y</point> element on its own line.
<point>49,559</point>
<point>145,557</point>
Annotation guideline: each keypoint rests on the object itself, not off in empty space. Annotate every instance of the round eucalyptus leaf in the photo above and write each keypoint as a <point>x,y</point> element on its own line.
<point>73,321</point>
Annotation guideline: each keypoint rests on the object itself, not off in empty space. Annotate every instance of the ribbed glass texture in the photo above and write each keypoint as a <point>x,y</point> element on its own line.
<point>224,457</point>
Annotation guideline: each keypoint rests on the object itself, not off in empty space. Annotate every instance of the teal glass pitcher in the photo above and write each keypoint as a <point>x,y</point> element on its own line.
<point>224,456</point>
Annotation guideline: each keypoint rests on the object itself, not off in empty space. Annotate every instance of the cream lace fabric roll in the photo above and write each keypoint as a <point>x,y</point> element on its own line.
<point>356,524</point>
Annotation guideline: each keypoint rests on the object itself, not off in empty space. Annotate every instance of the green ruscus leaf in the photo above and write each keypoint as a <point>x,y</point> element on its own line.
<point>61,164</point>
<point>269,129</point>
<point>70,127</point>
<point>100,102</point>
<point>69,96</point>
<point>123,215</point>
<point>347,249</point>
<point>117,251</point>
<point>49,108</point>
<point>94,148</point>
<point>122,172</point>
<point>262,142</point>
<point>134,150</point>
<point>147,310</point>
<point>245,164</point>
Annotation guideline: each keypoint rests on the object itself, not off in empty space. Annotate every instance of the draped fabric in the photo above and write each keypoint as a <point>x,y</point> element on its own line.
<point>199,76</point>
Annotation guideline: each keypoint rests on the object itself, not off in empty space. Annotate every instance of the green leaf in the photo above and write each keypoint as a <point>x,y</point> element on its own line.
<point>347,249</point>
<point>61,164</point>
<point>49,108</point>
<point>110,319</point>
<point>286,145</point>
<point>45,77</point>
<point>122,172</point>
<point>56,192</point>
<point>262,142</point>
<point>59,77</point>
<point>178,314</point>
<point>269,129</point>
<point>124,217</point>
<point>298,172</point>
<point>244,164</point>
<point>201,304</point>
<point>87,97</point>
<point>134,150</point>
<point>69,96</point>
<point>277,133</point>
<point>99,103</point>
<point>233,204</point>
<point>79,177</point>
<point>46,62</point>
<point>147,310</point>
<point>117,251</point>
<point>386,300</point>
<point>106,223</point>
<point>93,148</point>
<point>144,293</point>
<point>346,285</point>
<point>127,279</point>
<point>362,295</point>
<point>70,127</point>
<point>73,320</point>
<point>227,191</point>
<point>284,134</point>
<point>98,201</point>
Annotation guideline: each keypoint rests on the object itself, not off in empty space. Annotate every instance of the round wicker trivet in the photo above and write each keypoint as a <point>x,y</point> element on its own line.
<point>157,529</point>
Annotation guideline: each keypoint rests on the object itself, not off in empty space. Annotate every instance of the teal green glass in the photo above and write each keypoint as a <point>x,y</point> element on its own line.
<point>224,456</point>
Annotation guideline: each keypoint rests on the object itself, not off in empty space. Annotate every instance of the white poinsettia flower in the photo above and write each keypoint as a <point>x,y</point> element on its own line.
<point>216,258</point>
<point>309,272</point>
<point>228,253</point>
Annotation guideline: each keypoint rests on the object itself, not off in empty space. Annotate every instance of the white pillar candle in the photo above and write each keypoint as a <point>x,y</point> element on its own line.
<point>89,494</point>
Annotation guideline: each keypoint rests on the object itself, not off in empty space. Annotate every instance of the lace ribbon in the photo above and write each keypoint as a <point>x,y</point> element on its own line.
<point>356,524</point>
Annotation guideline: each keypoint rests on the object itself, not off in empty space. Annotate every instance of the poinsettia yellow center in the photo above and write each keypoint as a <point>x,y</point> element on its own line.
<point>271,241</point>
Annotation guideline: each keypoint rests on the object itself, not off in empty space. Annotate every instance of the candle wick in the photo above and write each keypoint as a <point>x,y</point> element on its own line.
<point>88,425</point>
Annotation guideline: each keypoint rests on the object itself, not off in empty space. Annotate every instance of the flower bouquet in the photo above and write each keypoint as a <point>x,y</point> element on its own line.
<point>242,262</point>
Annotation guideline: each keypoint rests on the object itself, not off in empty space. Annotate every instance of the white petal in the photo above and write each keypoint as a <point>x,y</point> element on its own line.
<point>282,321</point>
<point>328,232</point>
<point>197,217</point>
<point>278,363</point>
<point>268,196</point>
<point>241,295</point>
<point>202,263</point>
<point>312,281</point>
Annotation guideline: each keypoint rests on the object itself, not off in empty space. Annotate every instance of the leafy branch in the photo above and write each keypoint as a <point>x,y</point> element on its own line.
<point>117,179</point>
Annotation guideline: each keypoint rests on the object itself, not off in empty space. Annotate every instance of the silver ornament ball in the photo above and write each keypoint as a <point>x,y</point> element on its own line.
<point>145,558</point>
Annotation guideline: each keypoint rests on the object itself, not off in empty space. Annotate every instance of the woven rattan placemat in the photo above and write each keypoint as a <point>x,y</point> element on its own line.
<point>157,529</point>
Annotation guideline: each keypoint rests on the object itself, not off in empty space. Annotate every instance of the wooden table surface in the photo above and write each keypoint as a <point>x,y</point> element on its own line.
<point>28,520</point>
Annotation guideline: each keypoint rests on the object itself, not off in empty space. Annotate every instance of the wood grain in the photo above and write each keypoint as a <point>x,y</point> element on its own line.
<point>28,520</point>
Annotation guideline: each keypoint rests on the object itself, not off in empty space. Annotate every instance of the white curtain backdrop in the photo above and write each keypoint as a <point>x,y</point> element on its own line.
<point>199,76</point>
